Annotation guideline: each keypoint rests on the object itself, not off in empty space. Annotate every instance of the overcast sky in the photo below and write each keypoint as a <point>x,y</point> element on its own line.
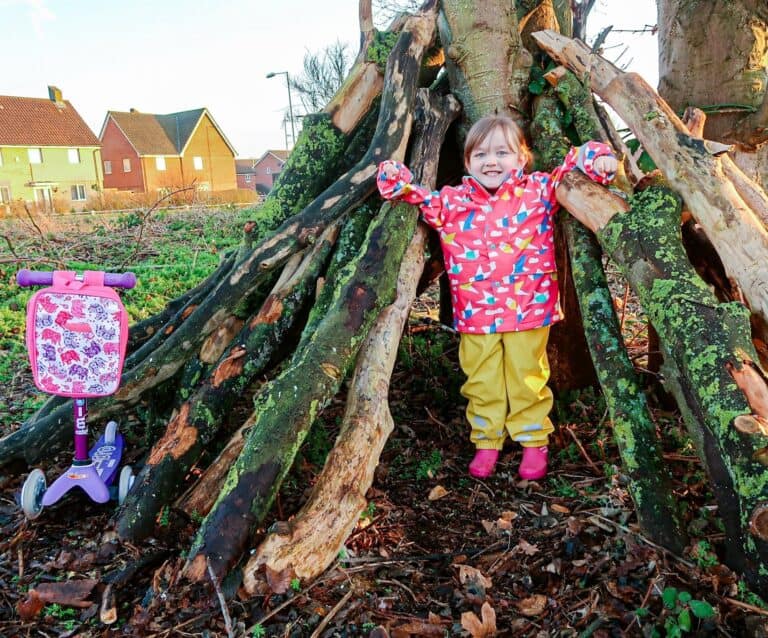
<point>163,56</point>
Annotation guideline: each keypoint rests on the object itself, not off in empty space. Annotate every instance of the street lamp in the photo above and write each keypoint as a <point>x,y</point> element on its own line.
<point>290,104</point>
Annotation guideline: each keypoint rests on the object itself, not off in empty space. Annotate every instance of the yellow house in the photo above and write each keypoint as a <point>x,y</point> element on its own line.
<point>49,158</point>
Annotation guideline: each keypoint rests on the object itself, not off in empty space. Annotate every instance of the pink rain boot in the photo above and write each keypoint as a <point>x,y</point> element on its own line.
<point>534,463</point>
<point>483,463</point>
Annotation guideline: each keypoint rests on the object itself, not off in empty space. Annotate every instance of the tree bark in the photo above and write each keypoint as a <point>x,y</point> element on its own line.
<point>650,483</point>
<point>197,421</point>
<point>486,62</point>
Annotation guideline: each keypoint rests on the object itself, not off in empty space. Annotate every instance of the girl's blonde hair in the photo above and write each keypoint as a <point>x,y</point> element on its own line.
<point>486,125</point>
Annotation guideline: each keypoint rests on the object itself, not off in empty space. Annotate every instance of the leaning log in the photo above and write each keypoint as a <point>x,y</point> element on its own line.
<point>649,482</point>
<point>311,540</point>
<point>287,406</point>
<point>739,237</point>
<point>710,364</point>
<point>302,389</point>
<point>197,421</point>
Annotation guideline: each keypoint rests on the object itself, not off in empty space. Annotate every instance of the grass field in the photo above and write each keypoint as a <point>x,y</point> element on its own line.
<point>169,252</point>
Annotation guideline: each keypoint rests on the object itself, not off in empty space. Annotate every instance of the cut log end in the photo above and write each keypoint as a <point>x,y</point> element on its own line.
<point>555,75</point>
<point>758,524</point>
<point>751,424</point>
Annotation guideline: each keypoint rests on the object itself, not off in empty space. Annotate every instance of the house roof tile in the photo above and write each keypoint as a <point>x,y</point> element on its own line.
<point>29,121</point>
<point>153,134</point>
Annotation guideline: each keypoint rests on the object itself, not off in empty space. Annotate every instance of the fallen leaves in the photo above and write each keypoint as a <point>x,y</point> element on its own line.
<point>434,626</point>
<point>480,627</point>
<point>437,493</point>
<point>473,575</point>
<point>71,593</point>
<point>532,606</point>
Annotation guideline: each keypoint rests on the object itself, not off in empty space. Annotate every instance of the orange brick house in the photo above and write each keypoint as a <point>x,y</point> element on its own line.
<point>158,154</point>
<point>260,174</point>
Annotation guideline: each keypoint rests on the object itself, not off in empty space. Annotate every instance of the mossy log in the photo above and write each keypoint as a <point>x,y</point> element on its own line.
<point>311,540</point>
<point>689,163</point>
<point>650,483</point>
<point>710,365</point>
<point>286,407</point>
<point>198,420</point>
<point>567,348</point>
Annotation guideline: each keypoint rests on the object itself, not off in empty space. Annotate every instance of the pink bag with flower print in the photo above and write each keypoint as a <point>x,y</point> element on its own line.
<point>77,332</point>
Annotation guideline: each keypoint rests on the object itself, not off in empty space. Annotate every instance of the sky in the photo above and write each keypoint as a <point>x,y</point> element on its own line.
<point>164,56</point>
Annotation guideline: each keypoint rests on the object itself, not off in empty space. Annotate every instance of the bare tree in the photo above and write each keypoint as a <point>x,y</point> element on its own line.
<point>323,74</point>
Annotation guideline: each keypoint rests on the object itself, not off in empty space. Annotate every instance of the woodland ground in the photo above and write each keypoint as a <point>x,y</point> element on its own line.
<point>559,557</point>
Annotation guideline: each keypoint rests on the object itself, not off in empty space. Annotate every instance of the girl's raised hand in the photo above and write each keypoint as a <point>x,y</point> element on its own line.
<point>388,169</point>
<point>605,164</point>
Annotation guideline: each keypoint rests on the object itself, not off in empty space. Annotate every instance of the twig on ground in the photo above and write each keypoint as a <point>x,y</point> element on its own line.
<point>290,601</point>
<point>399,584</point>
<point>435,420</point>
<point>222,601</point>
<point>586,456</point>
<point>647,541</point>
<point>752,608</point>
<point>337,607</point>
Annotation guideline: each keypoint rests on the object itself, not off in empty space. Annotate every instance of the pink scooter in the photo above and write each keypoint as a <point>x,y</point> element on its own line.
<point>77,332</point>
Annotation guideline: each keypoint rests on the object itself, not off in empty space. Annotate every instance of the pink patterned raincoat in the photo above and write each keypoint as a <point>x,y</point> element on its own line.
<point>498,248</point>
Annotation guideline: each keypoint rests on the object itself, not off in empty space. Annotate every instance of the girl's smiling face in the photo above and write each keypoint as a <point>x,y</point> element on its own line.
<point>493,160</point>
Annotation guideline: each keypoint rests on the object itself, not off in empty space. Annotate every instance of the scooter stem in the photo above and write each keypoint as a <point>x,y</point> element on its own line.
<point>80,409</point>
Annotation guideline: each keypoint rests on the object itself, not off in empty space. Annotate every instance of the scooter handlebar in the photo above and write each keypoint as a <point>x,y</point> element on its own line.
<point>27,277</point>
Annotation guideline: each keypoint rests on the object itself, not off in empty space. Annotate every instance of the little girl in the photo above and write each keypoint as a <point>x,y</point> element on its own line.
<point>496,231</point>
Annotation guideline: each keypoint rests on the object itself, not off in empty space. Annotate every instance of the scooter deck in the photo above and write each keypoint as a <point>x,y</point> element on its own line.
<point>106,457</point>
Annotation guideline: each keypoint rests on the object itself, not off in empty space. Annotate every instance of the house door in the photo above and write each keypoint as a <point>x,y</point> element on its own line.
<point>44,199</point>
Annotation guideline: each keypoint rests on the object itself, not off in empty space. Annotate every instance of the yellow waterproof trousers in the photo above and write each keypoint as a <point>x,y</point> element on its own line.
<point>506,387</point>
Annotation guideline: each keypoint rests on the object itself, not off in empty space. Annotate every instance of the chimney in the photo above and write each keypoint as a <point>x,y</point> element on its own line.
<point>54,94</point>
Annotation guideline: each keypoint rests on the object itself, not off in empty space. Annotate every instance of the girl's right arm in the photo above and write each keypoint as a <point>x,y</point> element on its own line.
<point>395,181</point>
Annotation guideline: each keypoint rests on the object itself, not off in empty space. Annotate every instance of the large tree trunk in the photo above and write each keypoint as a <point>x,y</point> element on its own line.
<point>714,56</point>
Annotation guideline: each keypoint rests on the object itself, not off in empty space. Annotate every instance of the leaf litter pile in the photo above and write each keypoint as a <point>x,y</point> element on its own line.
<point>435,553</point>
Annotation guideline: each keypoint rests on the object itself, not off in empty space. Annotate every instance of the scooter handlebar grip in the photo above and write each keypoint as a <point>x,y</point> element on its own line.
<point>26,277</point>
<point>120,280</point>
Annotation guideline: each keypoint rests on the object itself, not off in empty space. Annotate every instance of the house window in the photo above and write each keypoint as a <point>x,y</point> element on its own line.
<point>269,171</point>
<point>107,167</point>
<point>198,163</point>
<point>160,163</point>
<point>73,154</point>
<point>5,195</point>
<point>78,193</point>
<point>35,156</point>
<point>126,165</point>
<point>247,179</point>
<point>203,187</point>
